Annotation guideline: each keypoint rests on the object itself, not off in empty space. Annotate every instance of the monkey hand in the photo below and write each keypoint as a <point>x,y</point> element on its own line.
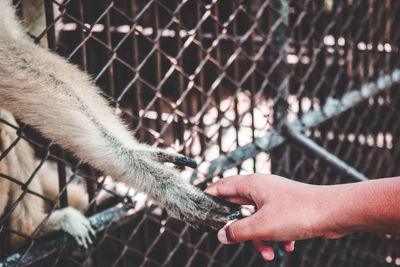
<point>180,198</point>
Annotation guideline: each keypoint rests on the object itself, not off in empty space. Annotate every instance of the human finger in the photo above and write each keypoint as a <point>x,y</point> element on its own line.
<point>233,186</point>
<point>265,249</point>
<point>248,228</point>
<point>239,200</point>
<point>287,246</point>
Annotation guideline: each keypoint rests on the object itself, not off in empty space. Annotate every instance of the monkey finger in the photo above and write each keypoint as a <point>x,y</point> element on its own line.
<point>231,210</point>
<point>216,220</point>
<point>184,161</point>
<point>175,158</point>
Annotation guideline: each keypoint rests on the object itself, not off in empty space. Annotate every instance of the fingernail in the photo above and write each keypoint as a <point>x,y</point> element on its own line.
<point>210,192</point>
<point>234,215</point>
<point>268,255</point>
<point>289,247</point>
<point>222,236</point>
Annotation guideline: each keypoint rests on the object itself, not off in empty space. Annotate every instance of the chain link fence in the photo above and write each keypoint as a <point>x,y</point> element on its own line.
<point>303,89</point>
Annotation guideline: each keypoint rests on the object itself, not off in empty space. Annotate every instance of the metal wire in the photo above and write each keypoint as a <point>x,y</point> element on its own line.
<point>220,81</point>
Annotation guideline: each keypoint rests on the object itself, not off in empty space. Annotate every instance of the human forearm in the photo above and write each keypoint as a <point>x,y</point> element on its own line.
<point>371,206</point>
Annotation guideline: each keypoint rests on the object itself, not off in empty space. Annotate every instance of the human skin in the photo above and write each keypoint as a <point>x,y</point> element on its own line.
<point>288,210</point>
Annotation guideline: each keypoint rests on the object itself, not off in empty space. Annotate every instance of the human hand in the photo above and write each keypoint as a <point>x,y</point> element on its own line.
<point>287,210</point>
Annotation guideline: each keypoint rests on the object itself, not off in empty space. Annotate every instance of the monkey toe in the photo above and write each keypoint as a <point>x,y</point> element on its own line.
<point>78,226</point>
<point>83,234</point>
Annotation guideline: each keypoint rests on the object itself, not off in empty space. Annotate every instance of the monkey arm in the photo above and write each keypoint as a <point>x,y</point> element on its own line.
<point>58,99</point>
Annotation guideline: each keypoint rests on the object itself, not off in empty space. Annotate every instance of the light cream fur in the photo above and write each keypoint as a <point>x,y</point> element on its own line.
<point>44,90</point>
<point>20,163</point>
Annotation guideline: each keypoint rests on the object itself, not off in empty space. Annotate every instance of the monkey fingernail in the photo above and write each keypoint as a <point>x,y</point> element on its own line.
<point>185,161</point>
<point>234,215</point>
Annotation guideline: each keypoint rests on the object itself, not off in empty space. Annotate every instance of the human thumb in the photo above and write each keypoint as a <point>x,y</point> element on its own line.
<point>249,228</point>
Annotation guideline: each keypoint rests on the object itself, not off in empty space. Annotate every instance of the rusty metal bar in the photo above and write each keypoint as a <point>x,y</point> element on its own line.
<point>51,41</point>
<point>51,34</point>
<point>236,76</point>
<point>137,104</point>
<point>62,180</point>
<point>81,37</point>
<point>110,55</point>
<point>181,127</point>
<point>253,91</point>
<point>218,95</point>
<point>90,184</point>
<point>200,76</point>
<point>158,65</point>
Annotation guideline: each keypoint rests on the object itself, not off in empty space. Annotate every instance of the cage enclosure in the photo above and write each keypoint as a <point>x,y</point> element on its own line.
<point>305,89</point>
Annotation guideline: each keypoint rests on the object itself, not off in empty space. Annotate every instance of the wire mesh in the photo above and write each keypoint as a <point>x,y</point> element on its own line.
<point>219,81</point>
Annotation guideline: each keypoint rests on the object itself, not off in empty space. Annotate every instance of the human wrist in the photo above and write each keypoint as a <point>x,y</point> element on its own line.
<point>360,207</point>
<point>340,211</point>
<point>378,203</point>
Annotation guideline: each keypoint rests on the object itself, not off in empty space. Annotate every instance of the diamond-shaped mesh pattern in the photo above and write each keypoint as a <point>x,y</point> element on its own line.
<point>219,81</point>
